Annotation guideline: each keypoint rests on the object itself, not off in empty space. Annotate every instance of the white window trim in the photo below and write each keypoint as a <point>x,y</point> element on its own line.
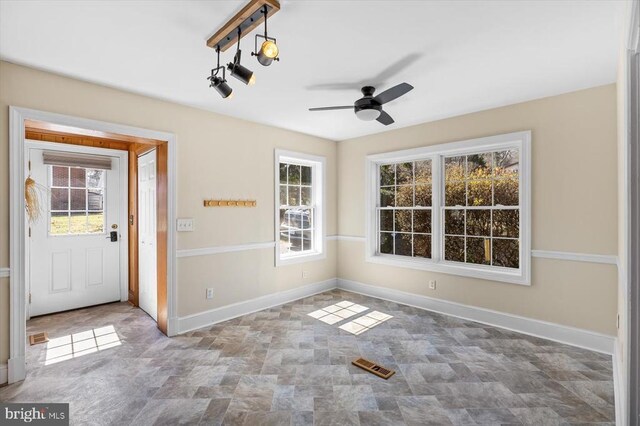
<point>318,164</point>
<point>519,140</point>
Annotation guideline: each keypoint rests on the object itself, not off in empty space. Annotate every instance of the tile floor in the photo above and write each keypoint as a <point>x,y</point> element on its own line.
<point>281,366</point>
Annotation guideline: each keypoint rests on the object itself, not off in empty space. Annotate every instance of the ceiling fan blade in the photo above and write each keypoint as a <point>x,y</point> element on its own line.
<point>393,93</point>
<point>331,108</point>
<point>385,118</point>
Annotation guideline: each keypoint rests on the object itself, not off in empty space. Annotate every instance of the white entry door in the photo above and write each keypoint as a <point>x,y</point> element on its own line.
<point>147,247</point>
<point>73,261</point>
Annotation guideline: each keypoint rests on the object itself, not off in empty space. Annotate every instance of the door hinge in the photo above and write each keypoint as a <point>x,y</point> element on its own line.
<point>29,297</point>
<point>29,165</point>
<point>29,232</point>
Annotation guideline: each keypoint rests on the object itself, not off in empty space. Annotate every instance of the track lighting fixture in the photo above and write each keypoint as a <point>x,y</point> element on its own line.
<point>240,72</point>
<point>220,83</point>
<point>269,50</point>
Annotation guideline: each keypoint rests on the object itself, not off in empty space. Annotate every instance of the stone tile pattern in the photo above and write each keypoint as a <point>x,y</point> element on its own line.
<point>281,367</point>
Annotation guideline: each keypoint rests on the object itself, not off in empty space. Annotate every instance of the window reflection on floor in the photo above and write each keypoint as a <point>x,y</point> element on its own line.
<point>345,309</point>
<point>338,312</point>
<point>79,344</point>
<point>365,322</point>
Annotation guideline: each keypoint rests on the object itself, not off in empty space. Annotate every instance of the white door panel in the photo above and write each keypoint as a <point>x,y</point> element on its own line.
<point>147,249</point>
<point>73,262</point>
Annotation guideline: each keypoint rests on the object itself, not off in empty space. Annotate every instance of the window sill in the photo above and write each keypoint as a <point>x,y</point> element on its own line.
<point>480,272</point>
<point>302,258</point>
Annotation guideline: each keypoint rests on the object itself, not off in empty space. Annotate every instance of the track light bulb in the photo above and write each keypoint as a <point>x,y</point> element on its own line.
<point>268,52</point>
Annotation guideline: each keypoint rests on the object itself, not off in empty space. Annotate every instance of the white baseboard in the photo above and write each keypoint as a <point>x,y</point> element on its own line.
<point>619,387</point>
<point>559,333</point>
<point>17,369</point>
<point>224,313</point>
<point>4,374</point>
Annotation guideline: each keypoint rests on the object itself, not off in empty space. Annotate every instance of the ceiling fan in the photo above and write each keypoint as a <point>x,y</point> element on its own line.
<point>369,107</point>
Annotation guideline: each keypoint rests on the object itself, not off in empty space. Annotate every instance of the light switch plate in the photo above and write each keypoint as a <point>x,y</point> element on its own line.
<point>185,225</point>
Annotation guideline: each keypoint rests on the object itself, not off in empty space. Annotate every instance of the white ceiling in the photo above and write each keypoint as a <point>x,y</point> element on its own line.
<point>461,56</point>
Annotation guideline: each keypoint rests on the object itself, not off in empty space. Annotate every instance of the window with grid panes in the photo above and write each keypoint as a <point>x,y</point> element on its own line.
<point>404,211</point>
<point>461,208</point>
<point>481,208</point>
<point>299,223</point>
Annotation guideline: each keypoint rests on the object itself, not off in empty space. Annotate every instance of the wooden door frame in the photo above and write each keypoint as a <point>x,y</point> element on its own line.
<point>79,131</point>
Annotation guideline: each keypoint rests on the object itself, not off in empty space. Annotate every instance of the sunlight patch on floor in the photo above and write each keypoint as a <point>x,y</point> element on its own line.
<point>82,343</point>
<point>338,312</point>
<point>365,322</point>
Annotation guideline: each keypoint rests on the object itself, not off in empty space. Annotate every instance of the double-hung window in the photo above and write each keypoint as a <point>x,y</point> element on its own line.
<point>460,208</point>
<point>299,226</point>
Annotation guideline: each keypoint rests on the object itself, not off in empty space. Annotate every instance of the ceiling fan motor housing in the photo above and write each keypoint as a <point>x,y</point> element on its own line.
<point>367,108</point>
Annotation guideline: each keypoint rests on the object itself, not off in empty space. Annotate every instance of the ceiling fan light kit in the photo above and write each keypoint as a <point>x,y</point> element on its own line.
<point>252,15</point>
<point>369,108</point>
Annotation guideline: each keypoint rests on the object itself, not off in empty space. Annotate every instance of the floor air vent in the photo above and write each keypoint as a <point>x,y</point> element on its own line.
<point>374,368</point>
<point>38,338</point>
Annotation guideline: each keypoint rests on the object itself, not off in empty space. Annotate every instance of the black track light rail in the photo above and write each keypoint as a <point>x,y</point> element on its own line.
<point>252,15</point>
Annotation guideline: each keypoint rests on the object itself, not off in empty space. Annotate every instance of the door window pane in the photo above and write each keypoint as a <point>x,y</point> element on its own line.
<point>78,223</point>
<point>78,177</point>
<point>59,198</point>
<point>76,201</point>
<point>59,223</point>
<point>60,176</point>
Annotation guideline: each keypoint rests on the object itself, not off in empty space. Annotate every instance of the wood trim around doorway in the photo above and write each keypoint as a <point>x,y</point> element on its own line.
<point>46,132</point>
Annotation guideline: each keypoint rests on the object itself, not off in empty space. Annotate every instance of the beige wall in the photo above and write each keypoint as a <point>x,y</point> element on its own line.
<point>218,156</point>
<point>573,190</point>
<point>574,208</point>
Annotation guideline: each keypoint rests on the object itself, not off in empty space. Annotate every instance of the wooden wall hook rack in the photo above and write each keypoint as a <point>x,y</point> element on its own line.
<point>230,203</point>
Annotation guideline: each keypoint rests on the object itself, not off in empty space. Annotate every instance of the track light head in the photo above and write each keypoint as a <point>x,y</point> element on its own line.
<point>268,52</point>
<point>269,49</point>
<point>221,87</point>
<point>240,72</point>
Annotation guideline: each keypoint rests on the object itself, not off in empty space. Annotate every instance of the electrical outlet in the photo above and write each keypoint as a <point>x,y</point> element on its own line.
<point>432,285</point>
<point>305,274</point>
<point>209,293</point>
<point>185,225</point>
